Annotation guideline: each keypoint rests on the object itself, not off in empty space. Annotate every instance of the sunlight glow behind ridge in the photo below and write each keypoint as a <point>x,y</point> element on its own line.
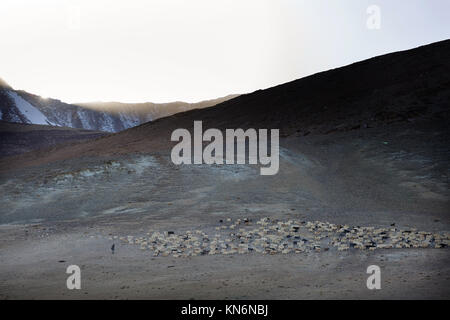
<point>167,50</point>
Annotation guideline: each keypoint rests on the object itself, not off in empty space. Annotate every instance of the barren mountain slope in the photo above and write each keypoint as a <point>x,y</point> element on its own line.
<point>19,106</point>
<point>398,87</point>
<point>364,148</point>
<point>17,138</point>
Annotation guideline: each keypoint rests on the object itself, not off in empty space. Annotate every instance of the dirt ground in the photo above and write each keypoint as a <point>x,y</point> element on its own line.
<point>63,212</point>
<point>37,273</point>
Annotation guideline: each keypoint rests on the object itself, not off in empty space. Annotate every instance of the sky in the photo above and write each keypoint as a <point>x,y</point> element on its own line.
<point>176,50</point>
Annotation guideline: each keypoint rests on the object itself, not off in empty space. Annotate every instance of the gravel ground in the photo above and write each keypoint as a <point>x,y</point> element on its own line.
<point>358,198</point>
<point>36,270</point>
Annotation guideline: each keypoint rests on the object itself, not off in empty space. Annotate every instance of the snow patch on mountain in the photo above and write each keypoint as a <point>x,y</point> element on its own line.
<point>107,123</point>
<point>23,107</point>
<point>31,113</point>
<point>83,119</point>
<point>129,121</point>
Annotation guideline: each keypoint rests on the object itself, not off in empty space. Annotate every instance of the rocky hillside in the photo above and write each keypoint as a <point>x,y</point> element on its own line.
<point>17,138</point>
<point>22,107</point>
<point>405,87</point>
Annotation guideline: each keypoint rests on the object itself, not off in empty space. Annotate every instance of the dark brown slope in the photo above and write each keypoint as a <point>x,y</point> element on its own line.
<point>17,138</point>
<point>405,86</point>
<point>402,86</point>
<point>393,87</point>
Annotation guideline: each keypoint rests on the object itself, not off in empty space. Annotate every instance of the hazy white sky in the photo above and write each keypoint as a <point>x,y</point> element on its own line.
<point>166,50</point>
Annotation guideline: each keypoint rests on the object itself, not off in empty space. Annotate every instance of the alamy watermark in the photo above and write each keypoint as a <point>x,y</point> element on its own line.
<point>374,19</point>
<point>213,153</point>
<point>374,280</point>
<point>74,280</point>
<point>74,17</point>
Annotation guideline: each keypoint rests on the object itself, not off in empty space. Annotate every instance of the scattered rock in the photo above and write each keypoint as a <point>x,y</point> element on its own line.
<point>271,237</point>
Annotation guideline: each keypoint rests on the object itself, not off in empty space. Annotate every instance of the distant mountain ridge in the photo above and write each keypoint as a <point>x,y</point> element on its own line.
<point>148,111</point>
<point>22,107</point>
<point>408,88</point>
